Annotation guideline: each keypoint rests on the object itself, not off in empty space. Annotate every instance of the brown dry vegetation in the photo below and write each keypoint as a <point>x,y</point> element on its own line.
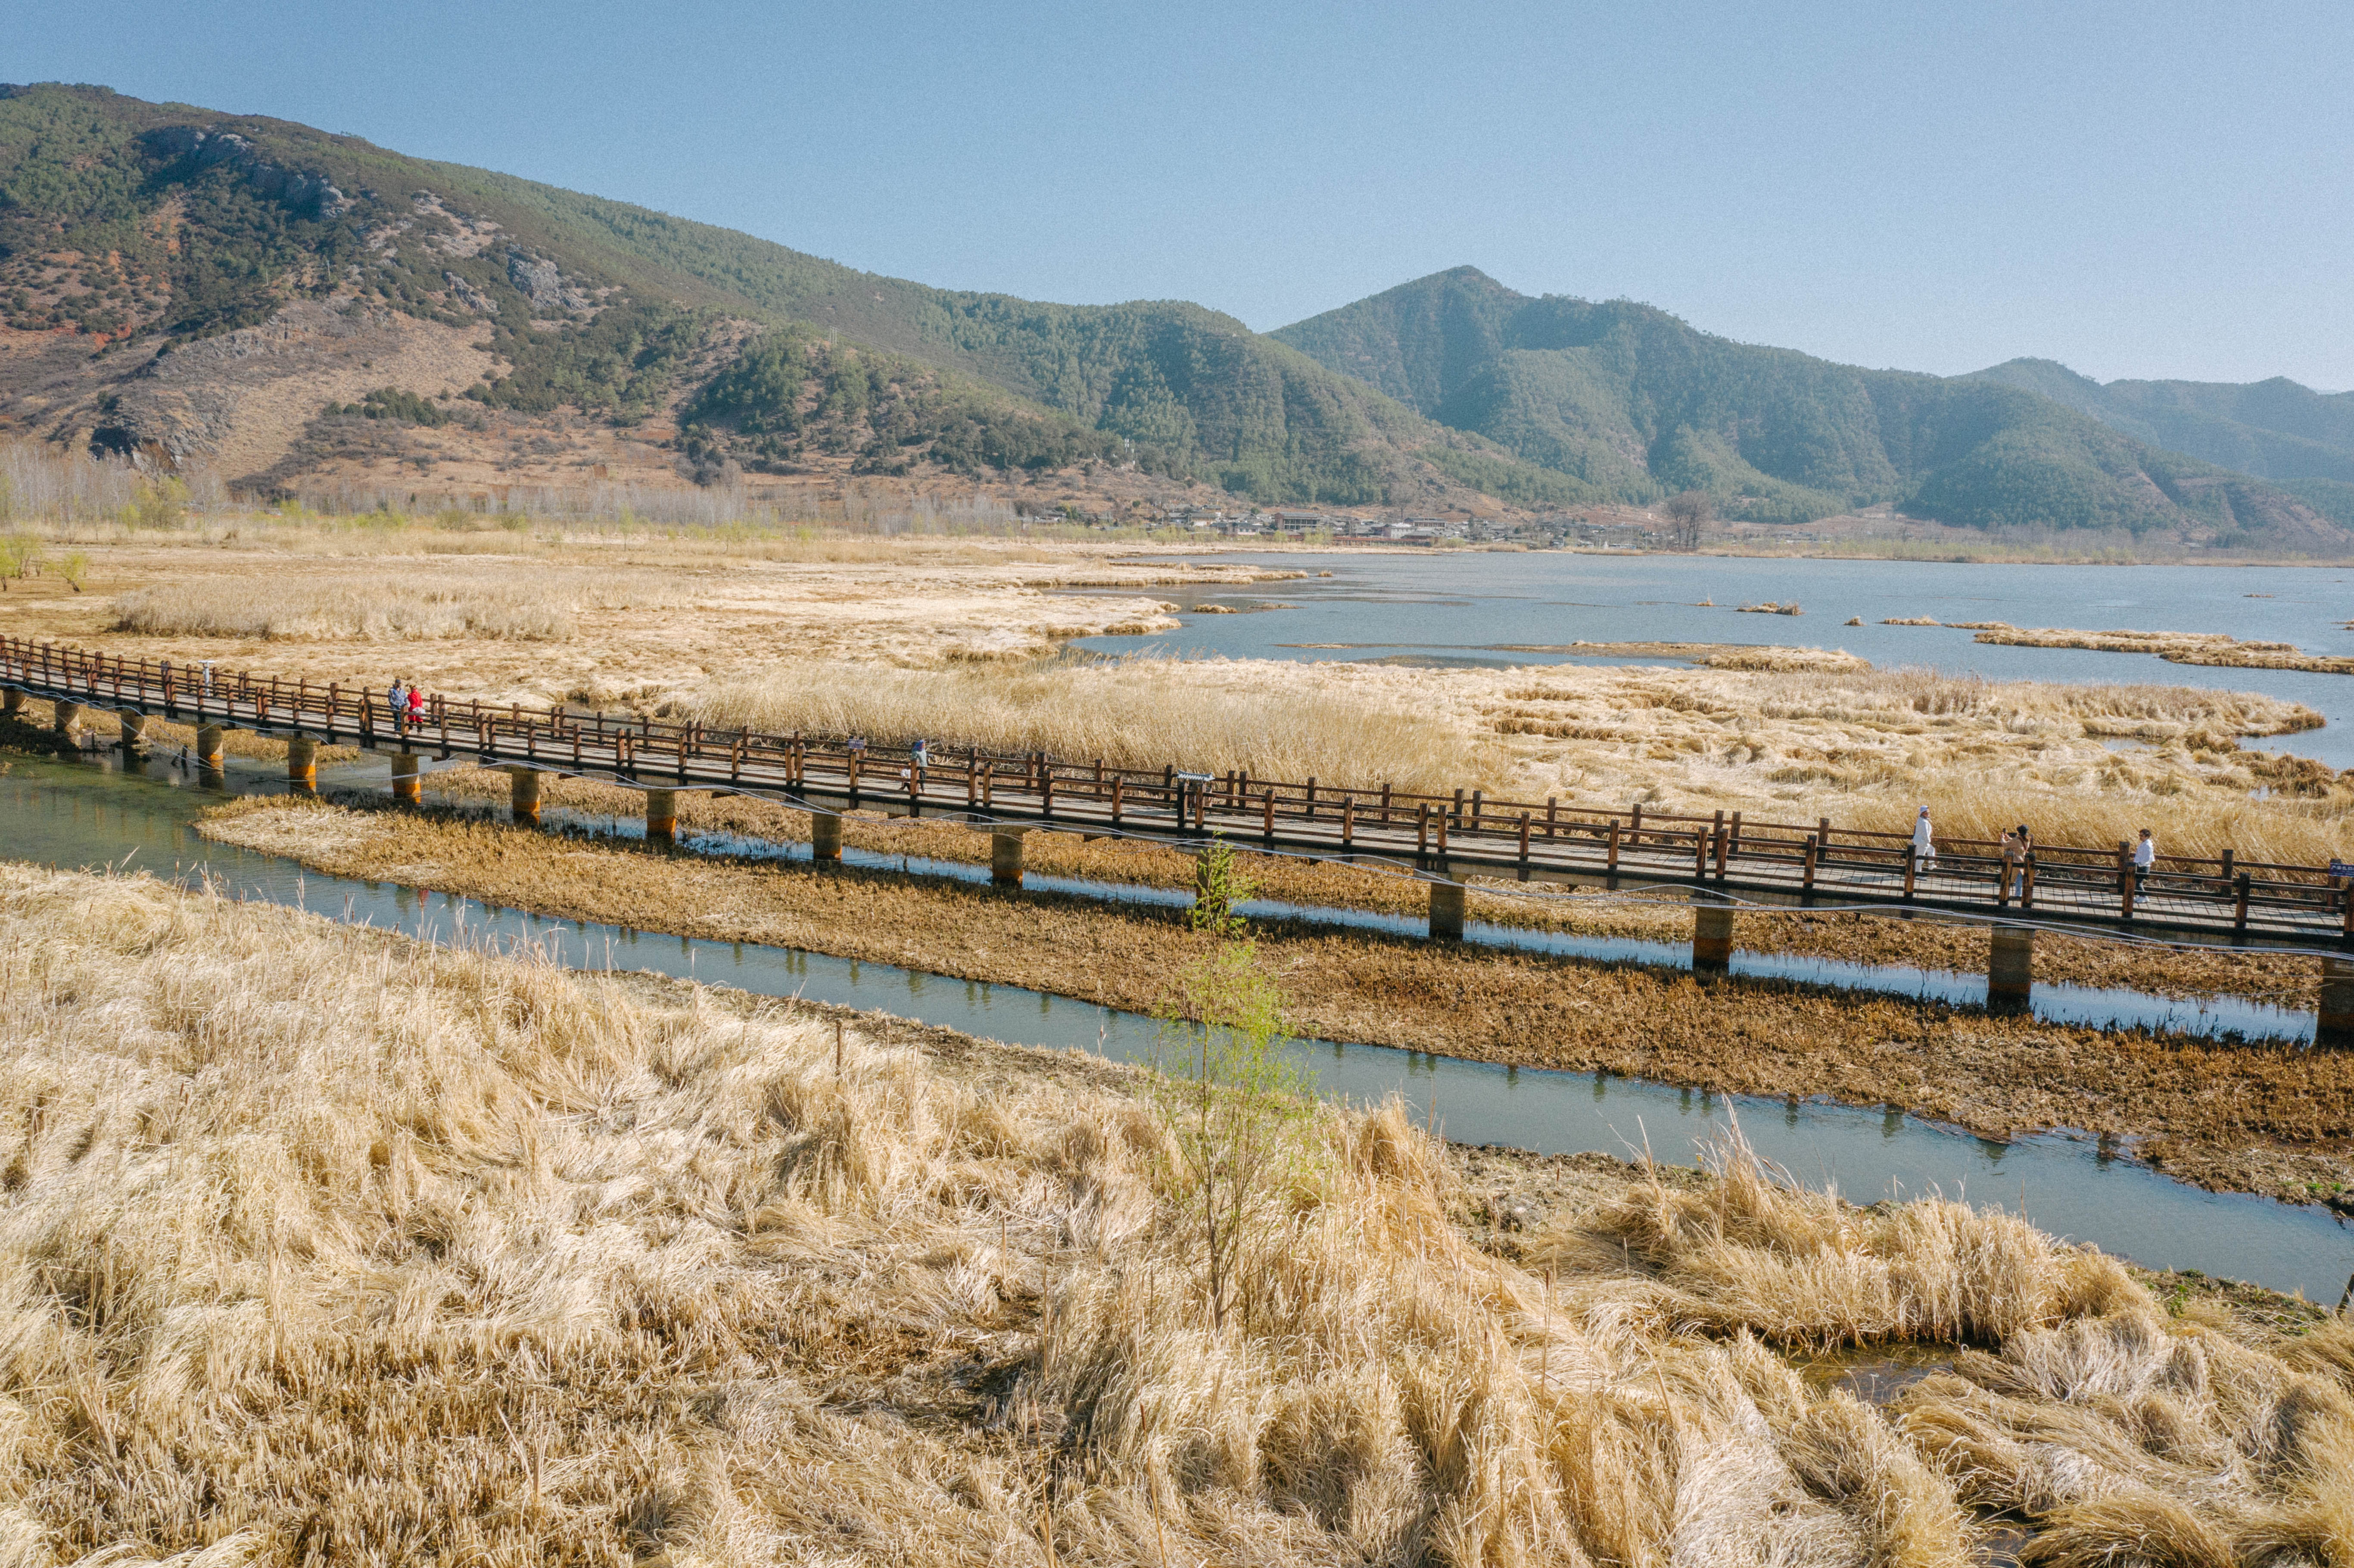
<point>2213,648</point>
<point>1139,713</point>
<point>880,636</point>
<point>473,600</point>
<point>2266,1118</point>
<point>324,1246</point>
<point>1866,748</point>
<point>1664,916</point>
<point>638,618</point>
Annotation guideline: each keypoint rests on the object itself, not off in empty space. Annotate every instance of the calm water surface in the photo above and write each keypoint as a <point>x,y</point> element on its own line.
<point>80,814</point>
<point>1463,609</point>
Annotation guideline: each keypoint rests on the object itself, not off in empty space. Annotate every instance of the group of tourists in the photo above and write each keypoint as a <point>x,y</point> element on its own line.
<point>2018,850</point>
<point>408,704</point>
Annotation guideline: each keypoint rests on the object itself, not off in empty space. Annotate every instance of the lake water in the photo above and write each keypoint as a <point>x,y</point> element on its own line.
<point>86,814</point>
<point>1459,608</point>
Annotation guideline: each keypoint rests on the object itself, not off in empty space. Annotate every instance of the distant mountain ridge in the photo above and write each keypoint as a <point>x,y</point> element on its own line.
<point>1632,403</point>
<point>2301,440</point>
<point>274,302</point>
<point>131,230</point>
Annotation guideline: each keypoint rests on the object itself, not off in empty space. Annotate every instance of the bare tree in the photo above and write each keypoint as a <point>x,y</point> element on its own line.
<point>1688,514</point>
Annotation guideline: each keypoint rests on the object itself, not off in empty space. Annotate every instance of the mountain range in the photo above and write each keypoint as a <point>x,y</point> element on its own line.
<point>282,306</point>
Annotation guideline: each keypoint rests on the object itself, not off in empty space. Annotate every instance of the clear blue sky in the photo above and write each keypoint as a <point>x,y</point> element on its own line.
<point>2146,190</point>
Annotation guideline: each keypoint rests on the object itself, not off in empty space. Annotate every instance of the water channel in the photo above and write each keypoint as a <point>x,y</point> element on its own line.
<point>70,813</point>
<point>2220,1016</point>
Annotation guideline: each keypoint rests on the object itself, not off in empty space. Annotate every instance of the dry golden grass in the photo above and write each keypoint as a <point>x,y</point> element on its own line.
<point>2212,648</point>
<point>2267,1117</point>
<point>2134,1439</point>
<point>1136,713</point>
<point>658,621</point>
<point>2079,764</point>
<point>318,1245</point>
<point>614,625</point>
<point>485,600</point>
<point>1868,749</point>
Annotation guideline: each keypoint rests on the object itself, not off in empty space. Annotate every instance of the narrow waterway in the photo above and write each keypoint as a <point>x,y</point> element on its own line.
<point>2222,1016</point>
<point>70,813</point>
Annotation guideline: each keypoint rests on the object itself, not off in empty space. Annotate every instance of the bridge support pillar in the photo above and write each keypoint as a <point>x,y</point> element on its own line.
<point>2010,968</point>
<point>1005,857</point>
<point>1446,901</point>
<point>134,729</point>
<point>68,715</point>
<point>208,745</point>
<point>303,763</point>
<point>661,816</point>
<point>2334,1022</point>
<point>406,774</point>
<point>12,703</point>
<point>523,796</point>
<point>825,838</point>
<point>1711,938</point>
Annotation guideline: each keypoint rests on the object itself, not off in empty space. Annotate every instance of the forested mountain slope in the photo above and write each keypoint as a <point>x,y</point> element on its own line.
<point>1632,403</point>
<point>2301,440</point>
<point>321,268</point>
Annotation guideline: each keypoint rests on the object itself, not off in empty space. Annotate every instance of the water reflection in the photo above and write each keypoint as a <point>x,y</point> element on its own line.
<point>73,815</point>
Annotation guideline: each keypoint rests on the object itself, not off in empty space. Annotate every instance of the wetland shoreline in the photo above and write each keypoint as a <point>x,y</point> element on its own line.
<point>2271,1119</point>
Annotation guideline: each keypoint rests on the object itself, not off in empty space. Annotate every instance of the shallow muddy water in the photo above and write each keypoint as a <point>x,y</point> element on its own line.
<point>1468,608</point>
<point>87,814</point>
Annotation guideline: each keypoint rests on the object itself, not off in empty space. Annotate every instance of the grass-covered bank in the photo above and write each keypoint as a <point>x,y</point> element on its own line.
<point>323,1246</point>
<point>2268,1118</point>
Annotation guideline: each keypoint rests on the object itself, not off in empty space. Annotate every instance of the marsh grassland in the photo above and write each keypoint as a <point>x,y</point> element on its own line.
<point>324,1246</point>
<point>949,639</point>
<point>2267,1117</point>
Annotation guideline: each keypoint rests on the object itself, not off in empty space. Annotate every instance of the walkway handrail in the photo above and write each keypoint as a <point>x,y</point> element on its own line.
<point>2086,882</point>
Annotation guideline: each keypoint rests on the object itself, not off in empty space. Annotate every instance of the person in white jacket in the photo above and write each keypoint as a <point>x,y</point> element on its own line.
<point>2144,855</point>
<point>1924,848</point>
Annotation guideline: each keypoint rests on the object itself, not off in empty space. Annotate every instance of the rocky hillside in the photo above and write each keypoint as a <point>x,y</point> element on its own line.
<point>1630,404</point>
<point>271,302</point>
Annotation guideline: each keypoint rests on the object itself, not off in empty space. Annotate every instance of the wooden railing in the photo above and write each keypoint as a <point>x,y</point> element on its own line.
<point>2056,883</point>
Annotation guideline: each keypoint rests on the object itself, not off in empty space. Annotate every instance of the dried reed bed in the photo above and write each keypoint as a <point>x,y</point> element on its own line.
<point>2079,764</point>
<point>2269,1118</point>
<point>2130,1438</point>
<point>319,1245</point>
<point>2212,648</point>
<point>612,626</point>
<point>498,601</point>
<point>1139,713</point>
<point>1868,749</point>
<point>1663,916</point>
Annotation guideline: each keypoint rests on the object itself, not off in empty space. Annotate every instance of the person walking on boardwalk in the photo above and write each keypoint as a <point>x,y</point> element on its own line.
<point>2011,857</point>
<point>2144,856</point>
<point>397,699</point>
<point>2026,858</point>
<point>1924,845</point>
<point>416,706</point>
<point>919,760</point>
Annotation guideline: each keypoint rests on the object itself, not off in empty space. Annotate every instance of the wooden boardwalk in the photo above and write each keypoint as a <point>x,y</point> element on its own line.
<point>1723,858</point>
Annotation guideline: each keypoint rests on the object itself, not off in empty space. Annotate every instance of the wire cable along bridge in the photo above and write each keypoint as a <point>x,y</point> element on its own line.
<point>1727,862</point>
